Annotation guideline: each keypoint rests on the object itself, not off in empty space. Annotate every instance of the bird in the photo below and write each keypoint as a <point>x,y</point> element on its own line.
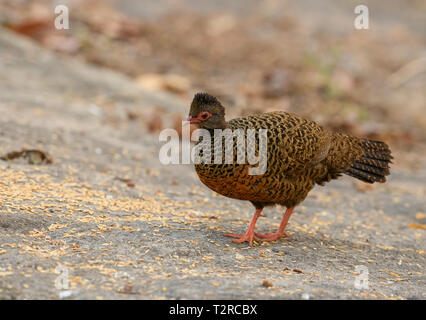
<point>300,154</point>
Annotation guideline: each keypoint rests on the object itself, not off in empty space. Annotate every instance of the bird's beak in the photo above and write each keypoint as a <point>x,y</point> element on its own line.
<point>191,120</point>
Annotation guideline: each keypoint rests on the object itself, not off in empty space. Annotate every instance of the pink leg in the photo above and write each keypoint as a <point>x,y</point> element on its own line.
<point>272,236</point>
<point>250,234</point>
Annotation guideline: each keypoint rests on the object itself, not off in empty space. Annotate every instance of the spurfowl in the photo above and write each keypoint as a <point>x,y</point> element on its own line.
<point>300,154</point>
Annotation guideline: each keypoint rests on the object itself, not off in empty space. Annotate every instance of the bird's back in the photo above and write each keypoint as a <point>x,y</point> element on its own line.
<point>295,147</point>
<point>294,143</point>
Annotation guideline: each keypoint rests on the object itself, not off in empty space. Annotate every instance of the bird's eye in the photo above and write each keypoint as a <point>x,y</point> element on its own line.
<point>204,115</point>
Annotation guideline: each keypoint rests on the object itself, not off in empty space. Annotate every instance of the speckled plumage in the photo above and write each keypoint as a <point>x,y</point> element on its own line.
<point>300,154</point>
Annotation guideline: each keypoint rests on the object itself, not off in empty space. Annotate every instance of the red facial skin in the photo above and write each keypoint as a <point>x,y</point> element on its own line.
<point>202,116</point>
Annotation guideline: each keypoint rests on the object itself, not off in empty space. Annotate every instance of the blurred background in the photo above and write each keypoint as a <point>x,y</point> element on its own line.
<point>81,184</point>
<point>299,56</point>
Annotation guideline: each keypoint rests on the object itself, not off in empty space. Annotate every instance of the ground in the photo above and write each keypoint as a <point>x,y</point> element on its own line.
<point>120,225</point>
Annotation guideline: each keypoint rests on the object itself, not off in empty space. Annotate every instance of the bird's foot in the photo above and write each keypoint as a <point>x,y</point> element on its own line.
<point>247,237</point>
<point>272,236</point>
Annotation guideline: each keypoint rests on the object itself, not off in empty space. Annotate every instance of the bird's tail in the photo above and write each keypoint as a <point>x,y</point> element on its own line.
<point>365,159</point>
<point>372,163</point>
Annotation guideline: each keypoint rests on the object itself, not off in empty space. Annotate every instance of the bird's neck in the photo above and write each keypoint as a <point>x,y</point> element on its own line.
<point>222,125</point>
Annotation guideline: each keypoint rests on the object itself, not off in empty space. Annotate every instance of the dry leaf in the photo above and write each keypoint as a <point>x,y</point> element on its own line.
<point>267,283</point>
<point>170,82</point>
<point>33,156</point>
<point>417,226</point>
<point>420,215</point>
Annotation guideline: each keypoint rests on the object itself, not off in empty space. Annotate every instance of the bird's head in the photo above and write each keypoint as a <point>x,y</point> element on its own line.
<point>207,112</point>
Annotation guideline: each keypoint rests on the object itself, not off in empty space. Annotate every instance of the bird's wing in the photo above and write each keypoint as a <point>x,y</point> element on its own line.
<point>294,143</point>
<point>302,146</point>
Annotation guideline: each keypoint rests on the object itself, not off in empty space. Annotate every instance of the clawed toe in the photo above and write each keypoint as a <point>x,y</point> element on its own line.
<point>272,236</point>
<point>240,238</point>
<point>249,237</point>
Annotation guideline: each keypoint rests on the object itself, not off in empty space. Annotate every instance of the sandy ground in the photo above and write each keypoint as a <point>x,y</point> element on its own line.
<point>77,229</point>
